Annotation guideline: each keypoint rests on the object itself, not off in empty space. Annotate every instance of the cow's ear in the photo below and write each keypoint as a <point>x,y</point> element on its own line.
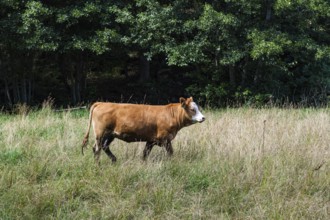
<point>191,99</point>
<point>188,101</point>
<point>183,102</point>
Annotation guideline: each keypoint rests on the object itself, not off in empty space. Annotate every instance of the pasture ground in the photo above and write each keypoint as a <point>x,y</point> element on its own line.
<point>238,164</point>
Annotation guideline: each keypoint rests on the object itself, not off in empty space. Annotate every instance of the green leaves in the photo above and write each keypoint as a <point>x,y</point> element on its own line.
<point>268,43</point>
<point>323,52</point>
<point>320,6</point>
<point>212,19</point>
<point>37,35</point>
<point>97,43</point>
<point>182,55</point>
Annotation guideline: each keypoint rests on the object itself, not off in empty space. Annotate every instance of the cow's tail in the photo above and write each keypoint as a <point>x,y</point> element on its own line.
<point>85,141</point>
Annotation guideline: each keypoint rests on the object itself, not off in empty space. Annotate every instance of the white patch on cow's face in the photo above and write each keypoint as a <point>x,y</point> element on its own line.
<point>197,116</point>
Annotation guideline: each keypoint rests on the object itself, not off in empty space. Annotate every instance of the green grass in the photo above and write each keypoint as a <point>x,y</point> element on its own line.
<point>239,164</point>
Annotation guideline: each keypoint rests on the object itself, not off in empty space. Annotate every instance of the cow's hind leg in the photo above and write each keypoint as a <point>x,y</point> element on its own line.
<point>97,150</point>
<point>169,148</point>
<point>147,149</point>
<point>105,146</point>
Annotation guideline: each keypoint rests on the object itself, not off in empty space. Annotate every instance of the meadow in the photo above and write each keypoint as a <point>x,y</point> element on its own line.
<point>239,164</point>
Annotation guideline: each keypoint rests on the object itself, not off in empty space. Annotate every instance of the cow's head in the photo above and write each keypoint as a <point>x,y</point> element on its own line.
<point>192,110</point>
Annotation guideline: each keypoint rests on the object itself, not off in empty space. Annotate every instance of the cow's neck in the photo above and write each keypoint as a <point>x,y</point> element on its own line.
<point>180,115</point>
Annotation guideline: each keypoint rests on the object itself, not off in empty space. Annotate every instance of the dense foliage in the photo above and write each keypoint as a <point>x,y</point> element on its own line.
<point>221,52</point>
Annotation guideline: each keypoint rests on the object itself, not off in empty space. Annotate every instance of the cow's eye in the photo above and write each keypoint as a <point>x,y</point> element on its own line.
<point>193,110</point>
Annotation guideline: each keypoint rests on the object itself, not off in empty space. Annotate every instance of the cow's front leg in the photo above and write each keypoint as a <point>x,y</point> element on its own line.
<point>147,149</point>
<point>169,148</point>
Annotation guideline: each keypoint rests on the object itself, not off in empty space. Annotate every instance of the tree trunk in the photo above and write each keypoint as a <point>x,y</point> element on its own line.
<point>144,69</point>
<point>232,77</point>
<point>30,81</point>
<point>16,92</point>
<point>29,92</point>
<point>8,92</point>
<point>73,72</point>
<point>257,75</point>
<point>78,77</point>
<point>244,71</point>
<point>73,88</point>
<point>78,91</point>
<point>23,91</point>
<point>269,4</point>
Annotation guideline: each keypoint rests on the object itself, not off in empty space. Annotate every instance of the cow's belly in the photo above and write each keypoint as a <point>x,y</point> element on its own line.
<point>139,131</point>
<point>151,136</point>
<point>133,135</point>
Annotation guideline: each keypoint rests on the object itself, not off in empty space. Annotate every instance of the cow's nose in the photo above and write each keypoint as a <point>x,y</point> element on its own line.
<point>203,119</point>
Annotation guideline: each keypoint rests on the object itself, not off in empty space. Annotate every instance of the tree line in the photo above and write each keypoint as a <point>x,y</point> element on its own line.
<point>220,51</point>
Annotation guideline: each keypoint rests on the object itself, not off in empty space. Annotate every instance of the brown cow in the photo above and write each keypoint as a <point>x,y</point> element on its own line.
<point>154,124</point>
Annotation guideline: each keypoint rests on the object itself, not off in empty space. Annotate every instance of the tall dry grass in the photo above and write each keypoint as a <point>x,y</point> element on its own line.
<point>238,164</point>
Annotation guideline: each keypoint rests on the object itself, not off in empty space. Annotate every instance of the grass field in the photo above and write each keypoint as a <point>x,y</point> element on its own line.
<point>238,164</point>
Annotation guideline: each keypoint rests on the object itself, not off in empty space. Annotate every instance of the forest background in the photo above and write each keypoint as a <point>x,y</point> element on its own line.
<point>222,52</point>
